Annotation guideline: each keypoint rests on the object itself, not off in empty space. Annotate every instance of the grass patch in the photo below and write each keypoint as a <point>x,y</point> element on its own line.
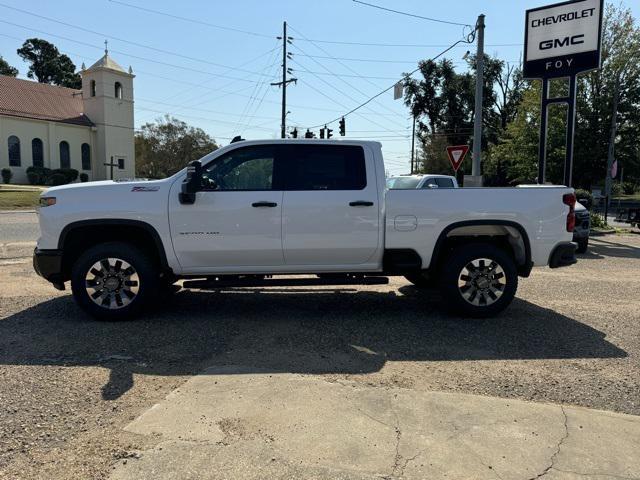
<point>18,199</point>
<point>635,197</point>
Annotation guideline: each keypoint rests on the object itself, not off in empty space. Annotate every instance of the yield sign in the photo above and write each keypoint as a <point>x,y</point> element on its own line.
<point>456,155</point>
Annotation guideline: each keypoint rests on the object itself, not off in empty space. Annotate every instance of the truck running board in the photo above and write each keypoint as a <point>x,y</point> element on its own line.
<point>214,284</point>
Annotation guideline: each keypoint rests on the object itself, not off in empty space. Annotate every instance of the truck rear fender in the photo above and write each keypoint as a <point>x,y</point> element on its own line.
<point>510,235</point>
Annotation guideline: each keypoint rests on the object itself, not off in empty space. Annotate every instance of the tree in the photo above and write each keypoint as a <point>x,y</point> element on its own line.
<point>443,103</point>
<point>48,65</point>
<point>517,151</point>
<point>6,69</point>
<point>607,116</point>
<point>165,147</point>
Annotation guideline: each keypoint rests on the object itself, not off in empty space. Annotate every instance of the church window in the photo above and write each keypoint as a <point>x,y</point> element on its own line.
<point>86,156</point>
<point>14,151</point>
<point>37,152</point>
<point>65,158</point>
<point>92,87</point>
<point>118,90</point>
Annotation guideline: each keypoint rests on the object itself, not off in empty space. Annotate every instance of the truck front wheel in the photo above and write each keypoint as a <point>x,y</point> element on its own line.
<point>479,280</point>
<point>114,281</point>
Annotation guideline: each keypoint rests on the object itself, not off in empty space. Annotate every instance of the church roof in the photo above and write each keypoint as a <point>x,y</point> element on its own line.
<point>107,62</point>
<point>41,101</point>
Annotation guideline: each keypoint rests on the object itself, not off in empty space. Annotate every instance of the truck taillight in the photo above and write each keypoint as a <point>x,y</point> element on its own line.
<point>570,199</point>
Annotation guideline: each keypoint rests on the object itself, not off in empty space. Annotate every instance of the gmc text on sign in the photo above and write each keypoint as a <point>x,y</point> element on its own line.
<point>562,39</point>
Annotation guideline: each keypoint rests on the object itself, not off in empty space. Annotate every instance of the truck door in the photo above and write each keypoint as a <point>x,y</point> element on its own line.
<point>236,219</point>
<point>331,209</point>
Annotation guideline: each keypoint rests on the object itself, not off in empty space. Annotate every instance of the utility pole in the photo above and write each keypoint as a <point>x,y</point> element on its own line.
<point>413,142</point>
<point>477,120</point>
<point>284,82</point>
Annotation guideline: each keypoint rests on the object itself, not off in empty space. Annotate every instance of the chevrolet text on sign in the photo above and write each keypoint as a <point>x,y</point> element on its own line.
<point>563,39</point>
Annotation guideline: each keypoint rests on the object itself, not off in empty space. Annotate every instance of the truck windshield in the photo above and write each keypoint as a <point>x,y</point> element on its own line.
<point>403,183</point>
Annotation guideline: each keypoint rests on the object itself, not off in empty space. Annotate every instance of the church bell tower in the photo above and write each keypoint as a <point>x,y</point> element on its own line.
<point>107,93</point>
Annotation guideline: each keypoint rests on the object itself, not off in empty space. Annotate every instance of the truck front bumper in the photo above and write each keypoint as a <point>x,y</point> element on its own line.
<point>48,264</point>
<point>563,255</point>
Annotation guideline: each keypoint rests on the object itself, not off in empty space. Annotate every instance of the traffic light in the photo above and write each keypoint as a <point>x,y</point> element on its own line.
<point>294,133</point>
<point>322,132</point>
<point>309,134</point>
<point>329,132</point>
<point>342,127</point>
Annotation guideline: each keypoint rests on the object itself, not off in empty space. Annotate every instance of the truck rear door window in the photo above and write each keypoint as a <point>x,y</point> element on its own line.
<point>444,182</point>
<point>324,167</point>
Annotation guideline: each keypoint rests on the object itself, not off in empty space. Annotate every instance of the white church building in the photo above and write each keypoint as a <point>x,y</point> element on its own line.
<point>57,127</point>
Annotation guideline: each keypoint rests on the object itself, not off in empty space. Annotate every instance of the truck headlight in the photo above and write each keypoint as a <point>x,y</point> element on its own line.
<point>47,201</point>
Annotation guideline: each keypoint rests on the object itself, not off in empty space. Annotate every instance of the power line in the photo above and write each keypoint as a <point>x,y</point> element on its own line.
<point>146,59</point>
<point>344,75</point>
<point>192,20</point>
<point>160,50</point>
<point>412,15</point>
<point>469,39</point>
<point>265,35</point>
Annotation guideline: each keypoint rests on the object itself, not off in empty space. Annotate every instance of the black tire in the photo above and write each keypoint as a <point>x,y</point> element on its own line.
<point>130,304</point>
<point>421,280</point>
<point>583,244</point>
<point>500,282</point>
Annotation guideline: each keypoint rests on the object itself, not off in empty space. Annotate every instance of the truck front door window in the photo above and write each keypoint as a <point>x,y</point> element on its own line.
<point>248,168</point>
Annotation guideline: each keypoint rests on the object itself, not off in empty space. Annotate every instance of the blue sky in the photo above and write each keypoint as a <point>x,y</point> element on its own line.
<point>223,87</point>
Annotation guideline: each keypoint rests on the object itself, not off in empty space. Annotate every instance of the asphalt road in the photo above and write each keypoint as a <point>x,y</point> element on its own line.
<point>18,226</point>
<point>69,385</point>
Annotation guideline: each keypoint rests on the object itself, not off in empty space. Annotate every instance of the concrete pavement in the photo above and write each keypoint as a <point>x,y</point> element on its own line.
<point>231,422</point>
<point>18,226</point>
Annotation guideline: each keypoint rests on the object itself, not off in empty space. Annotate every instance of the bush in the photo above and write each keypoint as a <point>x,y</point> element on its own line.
<point>57,178</point>
<point>629,188</point>
<point>84,177</point>
<point>71,174</point>
<point>7,174</point>
<point>616,189</point>
<point>38,175</point>
<point>597,220</point>
<point>584,197</point>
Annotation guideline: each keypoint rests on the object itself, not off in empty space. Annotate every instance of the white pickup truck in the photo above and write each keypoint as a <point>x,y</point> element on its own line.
<point>254,210</point>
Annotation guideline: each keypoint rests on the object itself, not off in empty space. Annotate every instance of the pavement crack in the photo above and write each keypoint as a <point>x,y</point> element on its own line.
<point>558,447</point>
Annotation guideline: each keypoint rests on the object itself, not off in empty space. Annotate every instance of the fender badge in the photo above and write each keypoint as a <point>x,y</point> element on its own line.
<point>145,189</point>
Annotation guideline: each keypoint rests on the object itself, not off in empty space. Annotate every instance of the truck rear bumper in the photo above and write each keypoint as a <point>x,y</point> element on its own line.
<point>48,264</point>
<point>563,255</point>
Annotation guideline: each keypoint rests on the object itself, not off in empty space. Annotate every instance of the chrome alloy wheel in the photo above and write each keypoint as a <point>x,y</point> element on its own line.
<point>482,282</point>
<point>112,283</point>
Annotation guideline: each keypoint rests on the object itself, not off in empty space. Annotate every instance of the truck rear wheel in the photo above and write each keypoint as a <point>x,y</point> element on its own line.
<point>114,281</point>
<point>479,280</point>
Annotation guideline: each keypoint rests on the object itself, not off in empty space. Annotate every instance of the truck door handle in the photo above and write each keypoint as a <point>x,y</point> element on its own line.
<point>264,204</point>
<point>361,203</point>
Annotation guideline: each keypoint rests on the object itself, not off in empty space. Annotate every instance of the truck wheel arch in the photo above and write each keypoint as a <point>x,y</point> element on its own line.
<point>85,233</point>
<point>515,234</point>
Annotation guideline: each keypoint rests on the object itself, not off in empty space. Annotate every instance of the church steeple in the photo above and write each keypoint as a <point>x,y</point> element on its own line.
<point>107,94</point>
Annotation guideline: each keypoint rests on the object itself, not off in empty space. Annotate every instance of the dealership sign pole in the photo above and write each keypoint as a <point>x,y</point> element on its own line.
<point>561,41</point>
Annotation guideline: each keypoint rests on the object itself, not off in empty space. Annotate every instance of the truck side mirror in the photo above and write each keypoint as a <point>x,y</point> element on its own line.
<point>191,184</point>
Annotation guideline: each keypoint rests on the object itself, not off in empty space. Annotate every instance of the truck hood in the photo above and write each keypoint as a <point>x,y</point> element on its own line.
<point>102,185</point>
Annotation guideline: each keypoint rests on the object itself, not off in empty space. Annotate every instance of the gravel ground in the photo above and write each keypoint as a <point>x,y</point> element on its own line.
<point>69,384</point>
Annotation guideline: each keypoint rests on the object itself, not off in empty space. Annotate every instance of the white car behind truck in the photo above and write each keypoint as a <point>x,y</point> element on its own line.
<point>264,212</point>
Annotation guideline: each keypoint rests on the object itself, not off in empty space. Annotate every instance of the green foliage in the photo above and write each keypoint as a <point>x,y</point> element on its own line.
<point>61,176</point>
<point>57,179</point>
<point>6,69</point>
<point>84,177</point>
<point>167,146</point>
<point>7,175</point>
<point>443,103</point>
<point>584,197</point>
<point>48,65</point>
<point>38,175</point>
<point>597,220</point>
<point>629,188</point>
